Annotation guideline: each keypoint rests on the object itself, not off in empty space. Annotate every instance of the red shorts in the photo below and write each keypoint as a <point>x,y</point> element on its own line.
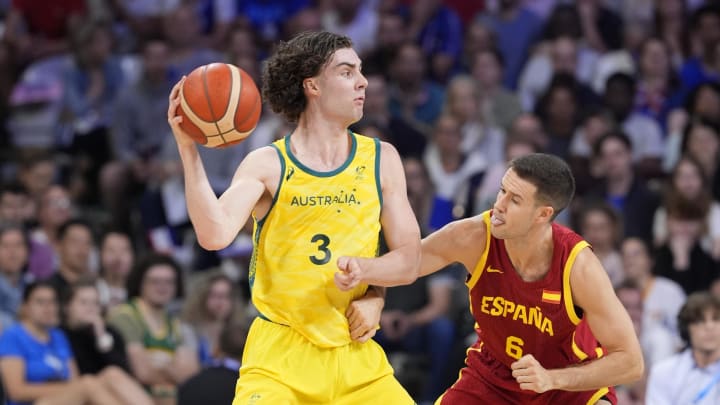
<point>488,381</point>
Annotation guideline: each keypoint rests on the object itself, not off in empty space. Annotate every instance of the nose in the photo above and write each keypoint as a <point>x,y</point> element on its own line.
<point>362,82</point>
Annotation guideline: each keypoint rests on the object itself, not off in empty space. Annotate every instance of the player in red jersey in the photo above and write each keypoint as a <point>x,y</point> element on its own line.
<point>550,327</point>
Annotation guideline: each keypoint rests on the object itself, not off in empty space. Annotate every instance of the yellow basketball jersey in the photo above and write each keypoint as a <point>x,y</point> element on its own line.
<point>315,218</point>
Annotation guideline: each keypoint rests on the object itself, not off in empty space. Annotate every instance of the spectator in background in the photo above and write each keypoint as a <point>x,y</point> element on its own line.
<point>402,134</point>
<point>16,205</point>
<point>97,348</point>
<point>37,171</point>
<point>671,26</point>
<point>75,245</point>
<point>703,67</point>
<point>455,174</point>
<point>215,385</point>
<point>37,365</point>
<point>439,31</point>
<point>391,34</point>
<point>39,29</point>
<point>593,125</point>
<point>690,377</point>
<point>681,258</point>
<point>413,97</point>
<point>161,350</point>
<point>644,132</point>
<point>266,16</point>
<point>498,106</point>
<point>477,38</point>
<point>658,86</point>
<point>355,19</point>
<point>420,191</point>
<point>91,86</point>
<point>515,29</point>
<point>140,21</point>
<point>529,127</point>
<point>462,102</point>
<point>213,303</point>
<point>54,209</point>
<point>630,295</point>
<point>688,190</point>
<point>139,132</point>
<point>116,259</point>
<point>621,186</point>
<point>601,227</point>
<point>186,50</point>
<point>14,252</point>
<point>702,141</point>
<point>703,103</point>
<point>416,320</point>
<point>661,301</point>
<point>602,28</point>
<point>559,110</point>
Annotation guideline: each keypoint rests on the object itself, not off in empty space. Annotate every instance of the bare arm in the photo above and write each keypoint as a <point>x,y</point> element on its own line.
<point>610,324</point>
<point>461,241</point>
<point>142,367</point>
<point>400,265</point>
<point>217,221</point>
<point>183,366</point>
<point>12,370</point>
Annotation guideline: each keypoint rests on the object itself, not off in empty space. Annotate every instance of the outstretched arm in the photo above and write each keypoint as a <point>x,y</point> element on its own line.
<point>217,221</point>
<point>461,241</point>
<point>400,228</point>
<point>610,324</point>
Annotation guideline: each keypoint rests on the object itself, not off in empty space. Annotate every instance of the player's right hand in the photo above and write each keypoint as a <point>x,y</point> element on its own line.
<point>350,274</point>
<point>174,119</point>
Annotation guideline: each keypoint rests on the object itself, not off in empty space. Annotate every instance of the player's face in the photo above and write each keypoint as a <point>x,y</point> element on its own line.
<point>342,87</point>
<point>515,209</point>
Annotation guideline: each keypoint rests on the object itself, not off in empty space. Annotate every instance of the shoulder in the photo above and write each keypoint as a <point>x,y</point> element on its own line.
<point>671,366</point>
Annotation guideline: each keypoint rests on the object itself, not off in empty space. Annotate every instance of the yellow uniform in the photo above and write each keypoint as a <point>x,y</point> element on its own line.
<point>299,350</point>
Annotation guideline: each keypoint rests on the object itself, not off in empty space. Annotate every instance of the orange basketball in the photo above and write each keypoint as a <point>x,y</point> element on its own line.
<point>220,105</point>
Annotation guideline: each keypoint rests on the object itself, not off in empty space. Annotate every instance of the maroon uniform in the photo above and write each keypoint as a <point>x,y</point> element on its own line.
<point>514,318</point>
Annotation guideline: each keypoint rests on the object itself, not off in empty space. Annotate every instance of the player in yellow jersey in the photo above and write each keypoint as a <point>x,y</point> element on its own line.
<point>319,198</point>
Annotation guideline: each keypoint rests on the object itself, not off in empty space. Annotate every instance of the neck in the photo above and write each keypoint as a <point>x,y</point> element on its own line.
<point>69,275</point>
<point>450,161</point>
<point>644,280</point>
<point>151,311</point>
<point>619,185</point>
<point>704,358</point>
<point>655,82</point>
<point>36,331</point>
<point>13,277</point>
<point>322,141</point>
<point>532,263</point>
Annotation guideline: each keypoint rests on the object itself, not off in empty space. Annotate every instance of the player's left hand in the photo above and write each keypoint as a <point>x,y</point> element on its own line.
<point>350,274</point>
<point>363,316</point>
<point>531,375</point>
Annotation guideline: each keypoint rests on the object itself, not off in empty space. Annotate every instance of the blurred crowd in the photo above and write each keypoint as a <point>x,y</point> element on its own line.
<point>105,296</point>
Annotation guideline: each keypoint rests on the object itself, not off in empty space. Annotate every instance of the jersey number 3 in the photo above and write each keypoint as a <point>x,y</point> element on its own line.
<point>324,253</point>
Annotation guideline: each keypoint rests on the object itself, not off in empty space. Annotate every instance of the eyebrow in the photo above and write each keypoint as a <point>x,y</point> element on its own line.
<point>351,65</point>
<point>514,194</point>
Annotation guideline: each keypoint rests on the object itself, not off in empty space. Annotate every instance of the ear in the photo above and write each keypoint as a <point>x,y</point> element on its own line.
<point>310,86</point>
<point>546,213</point>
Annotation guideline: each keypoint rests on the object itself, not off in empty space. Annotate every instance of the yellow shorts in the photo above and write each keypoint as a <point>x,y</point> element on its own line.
<point>280,367</point>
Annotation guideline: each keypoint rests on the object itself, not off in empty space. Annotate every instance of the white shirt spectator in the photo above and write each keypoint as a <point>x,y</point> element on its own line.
<point>679,381</point>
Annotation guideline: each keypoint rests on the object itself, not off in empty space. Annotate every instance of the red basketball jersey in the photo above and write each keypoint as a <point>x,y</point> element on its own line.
<point>515,317</point>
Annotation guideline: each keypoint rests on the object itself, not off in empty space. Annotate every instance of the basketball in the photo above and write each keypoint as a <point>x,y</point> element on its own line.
<point>219,104</point>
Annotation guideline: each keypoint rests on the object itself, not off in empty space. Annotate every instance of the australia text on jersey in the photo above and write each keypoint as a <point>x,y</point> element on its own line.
<point>324,199</point>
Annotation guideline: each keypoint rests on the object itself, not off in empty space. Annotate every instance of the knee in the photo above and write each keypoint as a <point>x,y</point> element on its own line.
<point>112,373</point>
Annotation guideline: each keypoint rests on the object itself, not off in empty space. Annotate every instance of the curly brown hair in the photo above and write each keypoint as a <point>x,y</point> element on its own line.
<point>294,61</point>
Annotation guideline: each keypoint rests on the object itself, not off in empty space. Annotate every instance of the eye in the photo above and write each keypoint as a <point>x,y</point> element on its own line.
<point>347,73</point>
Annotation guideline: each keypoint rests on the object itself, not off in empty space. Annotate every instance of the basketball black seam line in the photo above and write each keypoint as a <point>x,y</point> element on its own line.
<point>255,107</point>
<point>207,98</point>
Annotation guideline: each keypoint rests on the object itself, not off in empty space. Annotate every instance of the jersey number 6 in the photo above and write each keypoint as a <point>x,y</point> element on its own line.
<point>323,248</point>
<point>513,347</point>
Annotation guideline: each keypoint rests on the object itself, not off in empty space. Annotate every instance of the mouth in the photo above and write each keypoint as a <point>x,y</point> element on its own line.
<point>495,221</point>
<point>360,100</point>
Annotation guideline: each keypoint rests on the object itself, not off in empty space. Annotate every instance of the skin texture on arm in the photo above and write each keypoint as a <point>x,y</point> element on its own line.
<point>217,221</point>
<point>461,241</point>
<point>400,265</point>
<point>142,367</point>
<point>610,324</point>
<point>12,370</point>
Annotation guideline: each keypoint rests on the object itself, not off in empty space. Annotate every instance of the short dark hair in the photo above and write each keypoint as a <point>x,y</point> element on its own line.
<point>141,267</point>
<point>698,122</point>
<point>615,134</point>
<point>65,226</point>
<point>694,311</point>
<point>623,79</point>
<point>701,12</point>
<point>294,61</point>
<point>35,285</point>
<point>550,175</point>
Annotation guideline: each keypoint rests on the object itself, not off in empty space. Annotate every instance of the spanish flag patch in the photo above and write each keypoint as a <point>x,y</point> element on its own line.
<point>551,297</point>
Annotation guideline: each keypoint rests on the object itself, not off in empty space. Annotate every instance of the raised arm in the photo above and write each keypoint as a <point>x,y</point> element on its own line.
<point>610,324</point>
<point>400,265</point>
<point>217,221</point>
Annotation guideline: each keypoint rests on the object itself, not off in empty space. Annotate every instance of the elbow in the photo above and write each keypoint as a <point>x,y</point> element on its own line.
<point>413,271</point>
<point>637,369</point>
